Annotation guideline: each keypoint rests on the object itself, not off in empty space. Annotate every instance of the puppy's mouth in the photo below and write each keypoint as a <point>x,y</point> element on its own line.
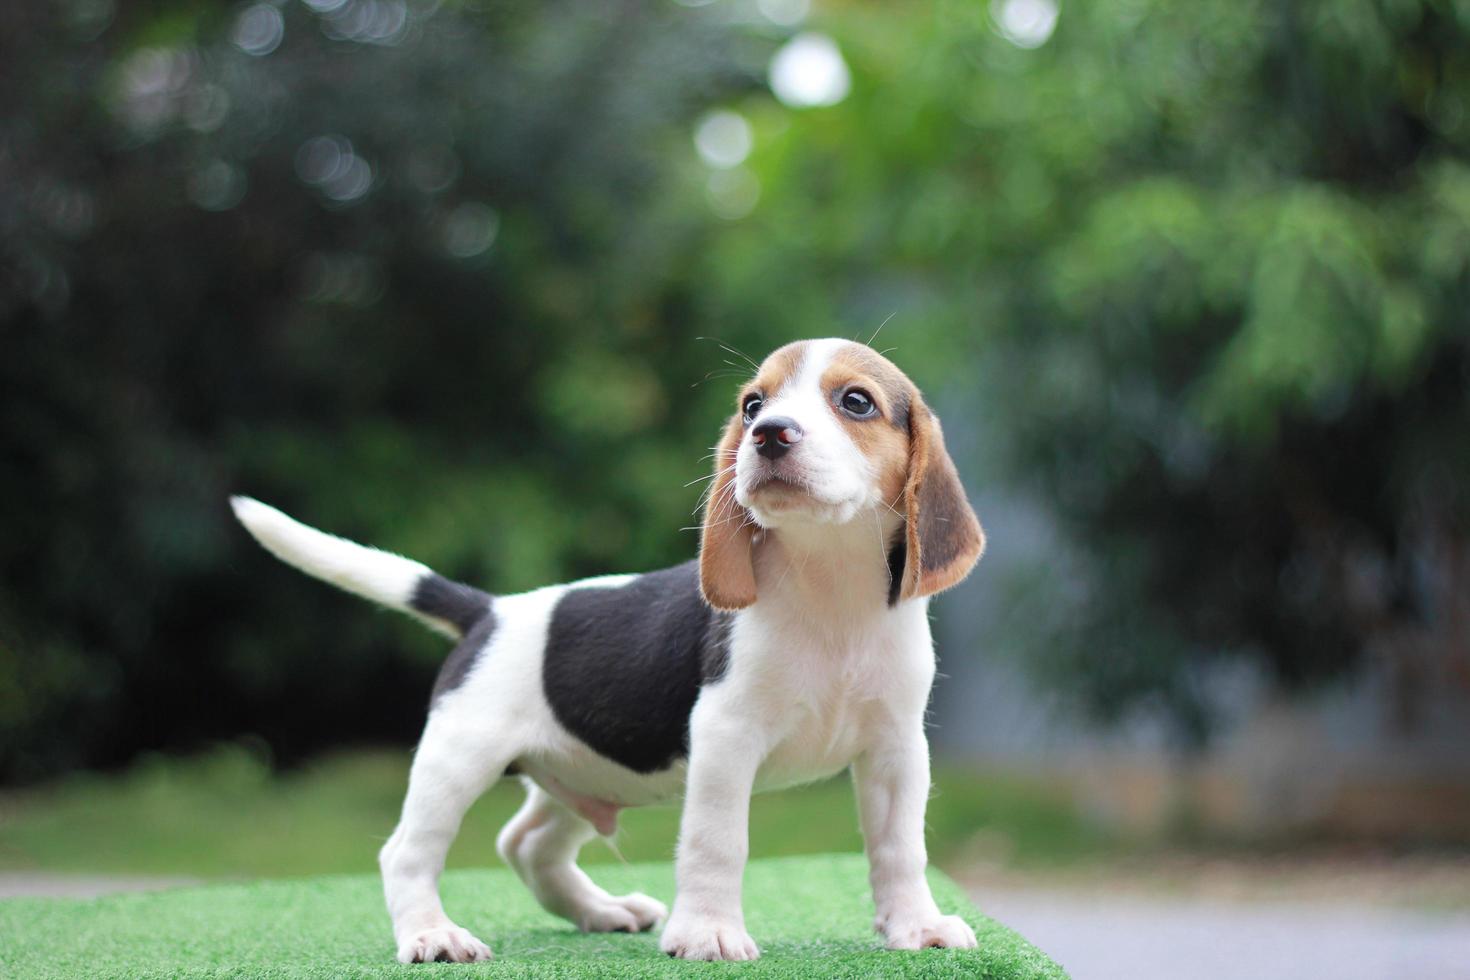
<point>776,498</point>
<point>776,481</point>
<point>773,487</point>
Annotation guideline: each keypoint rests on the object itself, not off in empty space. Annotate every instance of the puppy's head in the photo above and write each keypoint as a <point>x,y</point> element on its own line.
<point>828,431</point>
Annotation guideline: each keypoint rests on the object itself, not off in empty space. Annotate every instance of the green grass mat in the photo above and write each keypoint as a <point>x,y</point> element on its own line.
<point>811,917</point>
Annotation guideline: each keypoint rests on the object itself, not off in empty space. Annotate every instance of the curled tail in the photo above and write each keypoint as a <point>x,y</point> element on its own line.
<point>385,578</point>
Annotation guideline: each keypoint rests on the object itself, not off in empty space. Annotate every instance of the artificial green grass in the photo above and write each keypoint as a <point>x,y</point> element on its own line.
<point>810,916</point>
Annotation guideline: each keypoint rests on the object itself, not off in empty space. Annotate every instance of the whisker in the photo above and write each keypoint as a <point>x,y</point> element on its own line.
<point>882,548</point>
<point>731,350</point>
<point>710,476</point>
<point>706,500</point>
<point>880,327</point>
<point>739,373</point>
<point>740,354</point>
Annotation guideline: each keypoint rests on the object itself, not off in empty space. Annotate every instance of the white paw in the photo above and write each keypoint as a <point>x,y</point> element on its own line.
<point>700,938</point>
<point>623,913</point>
<point>945,931</point>
<point>447,943</point>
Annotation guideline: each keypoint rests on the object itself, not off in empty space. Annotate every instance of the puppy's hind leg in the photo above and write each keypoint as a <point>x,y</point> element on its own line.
<point>541,843</point>
<point>450,771</point>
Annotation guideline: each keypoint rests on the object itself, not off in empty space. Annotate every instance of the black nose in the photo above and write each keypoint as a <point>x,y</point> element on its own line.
<point>774,436</point>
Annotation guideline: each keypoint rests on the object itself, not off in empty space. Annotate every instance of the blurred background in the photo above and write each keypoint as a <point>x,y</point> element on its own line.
<point>476,282</point>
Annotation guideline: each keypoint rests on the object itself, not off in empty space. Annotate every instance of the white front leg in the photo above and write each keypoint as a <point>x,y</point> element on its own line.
<point>707,922</point>
<point>892,780</point>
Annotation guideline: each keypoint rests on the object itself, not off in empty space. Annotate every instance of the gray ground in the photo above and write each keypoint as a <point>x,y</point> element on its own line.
<point>1142,938</point>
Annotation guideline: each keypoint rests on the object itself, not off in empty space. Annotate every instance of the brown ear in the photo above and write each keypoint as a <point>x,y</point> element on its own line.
<point>726,575</point>
<point>943,536</point>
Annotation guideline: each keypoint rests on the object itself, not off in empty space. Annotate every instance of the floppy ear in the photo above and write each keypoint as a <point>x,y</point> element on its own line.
<point>943,538</point>
<point>726,574</point>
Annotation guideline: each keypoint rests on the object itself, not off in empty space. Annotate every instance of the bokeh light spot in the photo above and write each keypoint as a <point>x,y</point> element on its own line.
<point>787,13</point>
<point>259,30</point>
<point>723,139</point>
<point>470,229</point>
<point>154,81</point>
<point>732,194</point>
<point>205,107</point>
<point>433,168</point>
<point>89,18</point>
<point>330,164</point>
<point>322,159</point>
<point>217,186</point>
<point>367,21</point>
<point>809,71</point>
<point>354,181</point>
<point>1025,23</point>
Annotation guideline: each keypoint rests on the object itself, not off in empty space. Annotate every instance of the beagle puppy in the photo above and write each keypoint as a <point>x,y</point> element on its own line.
<point>796,646</point>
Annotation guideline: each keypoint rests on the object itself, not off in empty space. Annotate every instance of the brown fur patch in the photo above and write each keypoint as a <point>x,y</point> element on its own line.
<point>943,536</point>
<point>775,371</point>
<point>726,574</point>
<point>884,440</point>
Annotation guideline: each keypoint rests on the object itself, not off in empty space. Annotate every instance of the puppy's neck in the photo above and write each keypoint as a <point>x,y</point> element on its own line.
<point>837,568</point>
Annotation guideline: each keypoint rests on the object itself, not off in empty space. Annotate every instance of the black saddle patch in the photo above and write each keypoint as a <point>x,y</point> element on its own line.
<point>624,664</point>
<point>454,602</point>
<point>467,609</point>
<point>457,666</point>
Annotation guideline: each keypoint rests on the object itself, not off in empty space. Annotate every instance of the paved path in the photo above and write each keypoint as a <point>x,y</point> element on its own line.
<point>1146,937</point>
<point>40,884</point>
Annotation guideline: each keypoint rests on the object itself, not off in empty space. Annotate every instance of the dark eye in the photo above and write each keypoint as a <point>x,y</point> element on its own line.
<point>752,407</point>
<point>855,402</point>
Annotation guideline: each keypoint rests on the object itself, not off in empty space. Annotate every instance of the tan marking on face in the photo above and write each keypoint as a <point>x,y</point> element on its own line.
<point>775,372</point>
<point>883,439</point>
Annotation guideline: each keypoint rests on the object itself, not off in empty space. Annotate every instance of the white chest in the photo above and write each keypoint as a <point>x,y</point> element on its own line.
<point>821,690</point>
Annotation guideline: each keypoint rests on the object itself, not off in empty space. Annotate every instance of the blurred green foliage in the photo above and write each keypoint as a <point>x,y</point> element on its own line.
<point>204,298</point>
<point>1202,274</point>
<point>1195,277</point>
<point>224,814</point>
